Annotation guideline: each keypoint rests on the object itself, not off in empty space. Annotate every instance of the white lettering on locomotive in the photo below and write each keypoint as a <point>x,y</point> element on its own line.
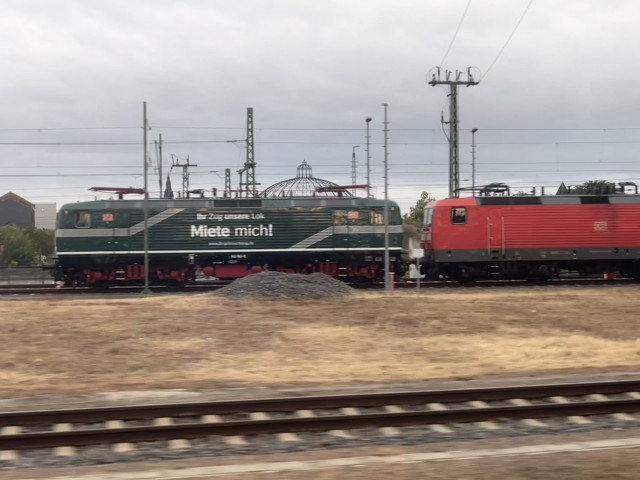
<point>204,231</point>
<point>220,231</point>
<point>600,226</point>
<point>254,231</point>
<point>218,217</point>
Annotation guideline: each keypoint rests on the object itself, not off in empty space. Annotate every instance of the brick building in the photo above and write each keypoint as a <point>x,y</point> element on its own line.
<point>16,210</point>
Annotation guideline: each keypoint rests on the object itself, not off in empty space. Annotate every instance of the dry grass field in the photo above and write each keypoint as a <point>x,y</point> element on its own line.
<point>62,346</point>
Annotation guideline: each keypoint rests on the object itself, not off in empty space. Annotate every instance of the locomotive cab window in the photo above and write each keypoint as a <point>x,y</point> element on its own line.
<point>83,219</point>
<point>339,217</point>
<point>459,215</point>
<point>428,217</point>
<point>377,216</point>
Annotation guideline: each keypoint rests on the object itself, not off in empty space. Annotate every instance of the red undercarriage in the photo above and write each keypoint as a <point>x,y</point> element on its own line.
<point>134,273</point>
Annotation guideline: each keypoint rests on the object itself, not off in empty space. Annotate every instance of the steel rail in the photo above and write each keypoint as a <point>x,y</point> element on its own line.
<point>313,424</point>
<point>46,289</point>
<point>128,289</point>
<point>288,404</point>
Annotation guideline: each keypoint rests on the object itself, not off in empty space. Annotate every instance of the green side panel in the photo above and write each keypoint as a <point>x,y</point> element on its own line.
<point>116,229</point>
<point>232,229</point>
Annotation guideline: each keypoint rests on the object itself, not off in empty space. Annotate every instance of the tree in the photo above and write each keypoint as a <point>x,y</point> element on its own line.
<point>17,248</point>
<point>594,187</point>
<point>416,213</point>
<point>43,239</point>
<point>25,246</point>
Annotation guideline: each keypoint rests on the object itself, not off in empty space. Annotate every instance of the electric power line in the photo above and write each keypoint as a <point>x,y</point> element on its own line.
<point>455,34</point>
<point>508,40</point>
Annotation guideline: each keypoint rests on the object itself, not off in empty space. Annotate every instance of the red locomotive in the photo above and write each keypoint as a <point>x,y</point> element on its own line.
<point>532,237</point>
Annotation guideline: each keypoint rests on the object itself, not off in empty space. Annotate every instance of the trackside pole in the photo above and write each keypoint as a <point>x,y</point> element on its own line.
<point>417,253</point>
<point>145,128</point>
<point>386,199</point>
<point>391,282</point>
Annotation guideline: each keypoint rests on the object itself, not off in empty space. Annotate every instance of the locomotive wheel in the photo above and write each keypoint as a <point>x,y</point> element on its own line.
<point>431,275</point>
<point>634,272</point>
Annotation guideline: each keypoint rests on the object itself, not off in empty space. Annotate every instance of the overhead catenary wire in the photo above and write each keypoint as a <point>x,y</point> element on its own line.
<point>419,173</point>
<point>524,13</point>
<point>290,142</point>
<point>296,129</point>
<point>336,168</point>
<point>455,34</point>
<point>344,174</point>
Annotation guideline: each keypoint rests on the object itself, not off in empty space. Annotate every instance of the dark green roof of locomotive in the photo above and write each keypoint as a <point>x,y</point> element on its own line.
<point>310,202</point>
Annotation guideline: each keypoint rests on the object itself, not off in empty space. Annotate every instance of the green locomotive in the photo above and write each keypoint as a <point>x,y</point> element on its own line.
<point>102,242</point>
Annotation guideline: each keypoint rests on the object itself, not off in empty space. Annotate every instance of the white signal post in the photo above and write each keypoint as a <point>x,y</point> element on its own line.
<point>417,253</point>
<point>368,120</point>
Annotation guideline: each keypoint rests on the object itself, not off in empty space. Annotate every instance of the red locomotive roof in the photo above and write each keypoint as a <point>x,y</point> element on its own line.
<point>462,201</point>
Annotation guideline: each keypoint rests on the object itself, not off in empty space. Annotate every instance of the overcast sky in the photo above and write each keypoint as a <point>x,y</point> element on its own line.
<point>557,101</point>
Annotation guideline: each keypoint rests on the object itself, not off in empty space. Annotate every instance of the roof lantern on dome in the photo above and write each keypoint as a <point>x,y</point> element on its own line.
<point>305,185</point>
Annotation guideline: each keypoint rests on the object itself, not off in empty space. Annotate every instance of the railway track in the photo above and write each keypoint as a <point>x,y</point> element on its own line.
<point>30,289</point>
<point>50,289</point>
<point>335,415</point>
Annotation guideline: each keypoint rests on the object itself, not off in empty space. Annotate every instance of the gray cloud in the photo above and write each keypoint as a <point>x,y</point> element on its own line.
<point>313,71</point>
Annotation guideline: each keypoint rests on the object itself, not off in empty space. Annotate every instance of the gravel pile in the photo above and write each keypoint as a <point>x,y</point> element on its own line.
<point>285,285</point>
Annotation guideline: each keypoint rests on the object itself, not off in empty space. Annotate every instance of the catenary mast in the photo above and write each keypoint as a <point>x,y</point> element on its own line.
<point>447,77</point>
<point>249,168</point>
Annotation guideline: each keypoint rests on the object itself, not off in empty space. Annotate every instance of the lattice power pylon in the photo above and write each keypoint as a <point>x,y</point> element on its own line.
<point>249,169</point>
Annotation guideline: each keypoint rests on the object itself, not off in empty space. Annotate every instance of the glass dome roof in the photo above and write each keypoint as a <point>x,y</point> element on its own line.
<point>304,184</point>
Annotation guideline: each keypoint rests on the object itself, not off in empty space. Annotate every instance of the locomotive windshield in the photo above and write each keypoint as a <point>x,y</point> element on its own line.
<point>428,217</point>
<point>83,219</point>
<point>459,215</point>
<point>377,216</point>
